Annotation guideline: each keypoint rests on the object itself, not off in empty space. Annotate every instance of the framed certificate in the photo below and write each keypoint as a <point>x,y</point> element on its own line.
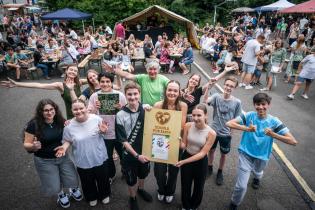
<point>161,135</point>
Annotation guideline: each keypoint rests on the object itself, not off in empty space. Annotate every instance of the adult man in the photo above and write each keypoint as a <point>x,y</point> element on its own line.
<point>129,131</point>
<point>120,31</point>
<point>249,59</point>
<point>152,84</point>
<point>50,47</point>
<point>73,35</point>
<point>12,62</point>
<point>225,107</point>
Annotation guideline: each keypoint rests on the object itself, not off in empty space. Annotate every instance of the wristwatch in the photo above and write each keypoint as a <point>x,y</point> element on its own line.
<point>137,156</point>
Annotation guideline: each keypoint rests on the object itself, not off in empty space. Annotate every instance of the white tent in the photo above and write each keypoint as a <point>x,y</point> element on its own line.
<point>281,4</point>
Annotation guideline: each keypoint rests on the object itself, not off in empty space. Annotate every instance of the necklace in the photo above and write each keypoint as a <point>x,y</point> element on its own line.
<point>50,124</point>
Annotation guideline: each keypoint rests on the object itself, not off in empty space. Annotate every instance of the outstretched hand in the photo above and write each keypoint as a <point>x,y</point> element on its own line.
<point>9,84</point>
<point>103,126</point>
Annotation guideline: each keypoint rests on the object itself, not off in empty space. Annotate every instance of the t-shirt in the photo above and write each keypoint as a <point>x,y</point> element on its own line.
<point>197,95</point>
<point>87,92</point>
<point>224,110</point>
<point>88,146</point>
<point>11,59</point>
<point>126,120</point>
<point>252,47</point>
<point>110,119</point>
<point>151,89</point>
<point>308,69</point>
<point>51,138</point>
<point>258,144</point>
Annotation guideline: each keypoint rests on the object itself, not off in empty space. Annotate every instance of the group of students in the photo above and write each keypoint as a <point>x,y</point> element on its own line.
<point>92,139</point>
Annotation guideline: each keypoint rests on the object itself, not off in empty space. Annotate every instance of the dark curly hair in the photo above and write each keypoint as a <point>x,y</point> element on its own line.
<point>39,119</point>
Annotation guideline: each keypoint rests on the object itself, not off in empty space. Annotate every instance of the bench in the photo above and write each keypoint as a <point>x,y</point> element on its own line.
<point>83,63</point>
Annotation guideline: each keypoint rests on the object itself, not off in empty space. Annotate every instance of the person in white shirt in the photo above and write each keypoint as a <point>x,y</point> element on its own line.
<point>303,21</point>
<point>249,59</point>
<point>73,34</point>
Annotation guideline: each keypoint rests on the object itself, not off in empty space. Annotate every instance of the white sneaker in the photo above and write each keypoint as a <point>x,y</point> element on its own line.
<point>160,197</point>
<point>76,194</point>
<point>93,203</point>
<point>105,200</point>
<point>248,87</point>
<point>169,199</point>
<point>63,200</point>
<point>216,72</point>
<point>241,85</point>
<point>290,97</point>
<point>304,96</point>
<point>264,89</point>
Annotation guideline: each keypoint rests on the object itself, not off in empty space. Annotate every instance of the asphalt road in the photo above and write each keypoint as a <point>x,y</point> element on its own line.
<point>19,183</point>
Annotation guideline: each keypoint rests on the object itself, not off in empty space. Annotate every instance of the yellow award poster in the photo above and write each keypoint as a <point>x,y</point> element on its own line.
<point>161,135</point>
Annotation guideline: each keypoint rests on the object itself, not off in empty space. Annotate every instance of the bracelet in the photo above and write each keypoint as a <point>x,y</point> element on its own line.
<point>137,156</point>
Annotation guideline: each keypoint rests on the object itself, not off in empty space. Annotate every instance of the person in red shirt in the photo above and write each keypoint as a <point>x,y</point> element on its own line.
<point>120,31</point>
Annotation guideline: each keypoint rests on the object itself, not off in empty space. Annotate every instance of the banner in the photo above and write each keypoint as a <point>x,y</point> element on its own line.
<point>161,135</point>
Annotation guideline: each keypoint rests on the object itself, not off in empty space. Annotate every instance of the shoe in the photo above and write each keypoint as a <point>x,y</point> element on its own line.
<point>232,206</point>
<point>18,80</point>
<point>264,89</point>
<point>248,87</point>
<point>93,203</point>
<point>106,200</point>
<point>169,198</point>
<point>241,85</point>
<point>63,75</point>
<point>63,200</point>
<point>145,195</point>
<point>210,170</point>
<point>185,72</point>
<point>219,179</point>
<point>160,197</point>
<point>76,194</point>
<point>258,83</point>
<point>290,97</point>
<point>304,96</point>
<point>216,72</point>
<point>256,183</point>
<point>133,203</point>
<point>47,78</point>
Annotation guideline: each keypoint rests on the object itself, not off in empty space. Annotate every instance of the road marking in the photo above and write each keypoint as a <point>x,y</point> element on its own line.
<point>276,148</point>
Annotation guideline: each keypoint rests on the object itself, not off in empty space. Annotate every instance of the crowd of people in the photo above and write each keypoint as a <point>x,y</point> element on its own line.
<point>251,45</point>
<point>248,46</point>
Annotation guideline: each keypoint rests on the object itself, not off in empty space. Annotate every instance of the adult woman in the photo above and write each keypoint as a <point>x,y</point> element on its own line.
<point>84,133</point>
<point>306,73</point>
<point>197,140</point>
<point>42,135</point>
<point>131,39</point>
<point>68,88</point>
<point>277,59</point>
<point>165,56</point>
<point>293,34</point>
<point>298,49</point>
<point>85,45</point>
<point>165,174</point>
<point>188,58</point>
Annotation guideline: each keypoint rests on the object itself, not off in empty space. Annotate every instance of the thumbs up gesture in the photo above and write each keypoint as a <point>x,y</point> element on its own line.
<point>251,127</point>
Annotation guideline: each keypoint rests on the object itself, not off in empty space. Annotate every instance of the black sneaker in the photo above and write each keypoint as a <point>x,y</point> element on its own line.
<point>63,200</point>
<point>133,203</point>
<point>145,195</point>
<point>219,179</point>
<point>232,206</point>
<point>210,170</point>
<point>256,183</point>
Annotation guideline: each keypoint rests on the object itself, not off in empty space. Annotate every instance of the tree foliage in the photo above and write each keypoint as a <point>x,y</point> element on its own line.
<point>111,11</point>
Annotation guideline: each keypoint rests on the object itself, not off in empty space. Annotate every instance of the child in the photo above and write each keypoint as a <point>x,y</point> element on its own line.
<point>255,148</point>
<point>129,131</point>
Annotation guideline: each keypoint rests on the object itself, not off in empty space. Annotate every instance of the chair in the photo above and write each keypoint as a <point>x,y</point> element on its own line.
<point>164,67</point>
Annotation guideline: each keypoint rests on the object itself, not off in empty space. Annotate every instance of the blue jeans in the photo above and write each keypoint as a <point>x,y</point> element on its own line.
<point>55,174</point>
<point>44,68</point>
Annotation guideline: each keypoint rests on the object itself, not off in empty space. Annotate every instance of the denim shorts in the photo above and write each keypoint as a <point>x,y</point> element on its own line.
<point>55,174</point>
<point>250,69</point>
<point>301,79</point>
<point>225,144</point>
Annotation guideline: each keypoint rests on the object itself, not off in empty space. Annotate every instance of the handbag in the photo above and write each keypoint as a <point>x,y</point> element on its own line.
<point>275,69</point>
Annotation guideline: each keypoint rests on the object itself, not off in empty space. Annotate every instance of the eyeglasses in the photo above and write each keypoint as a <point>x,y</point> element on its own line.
<point>49,110</point>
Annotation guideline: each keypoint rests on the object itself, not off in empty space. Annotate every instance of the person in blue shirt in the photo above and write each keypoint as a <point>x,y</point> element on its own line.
<point>259,130</point>
<point>188,58</point>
